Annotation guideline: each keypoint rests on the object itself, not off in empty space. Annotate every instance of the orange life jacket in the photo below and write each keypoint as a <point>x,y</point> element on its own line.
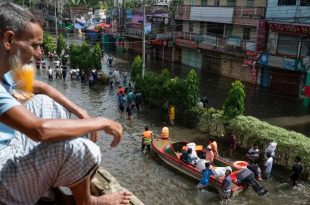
<point>147,137</point>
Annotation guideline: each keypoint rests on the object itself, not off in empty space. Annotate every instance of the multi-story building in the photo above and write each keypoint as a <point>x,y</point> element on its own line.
<point>225,36</point>
<point>158,32</point>
<point>287,55</point>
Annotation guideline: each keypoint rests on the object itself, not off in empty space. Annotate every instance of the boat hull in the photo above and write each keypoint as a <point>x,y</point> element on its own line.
<point>162,148</point>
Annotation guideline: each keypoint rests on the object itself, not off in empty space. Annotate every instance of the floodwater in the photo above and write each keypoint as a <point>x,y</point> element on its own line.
<point>149,178</point>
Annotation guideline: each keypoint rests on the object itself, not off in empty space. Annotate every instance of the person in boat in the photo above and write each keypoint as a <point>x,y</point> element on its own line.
<point>213,145</point>
<point>146,139</point>
<point>206,173</point>
<point>296,171</point>
<point>186,156</point>
<point>200,164</point>
<point>226,186</point>
<point>164,132</point>
<point>209,154</point>
<point>39,144</point>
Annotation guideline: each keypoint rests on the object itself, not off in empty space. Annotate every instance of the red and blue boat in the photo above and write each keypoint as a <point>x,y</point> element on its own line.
<point>170,153</point>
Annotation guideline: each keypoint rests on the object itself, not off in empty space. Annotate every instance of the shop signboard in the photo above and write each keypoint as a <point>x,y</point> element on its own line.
<point>233,41</point>
<point>250,46</point>
<point>209,40</point>
<point>288,63</point>
<point>290,29</point>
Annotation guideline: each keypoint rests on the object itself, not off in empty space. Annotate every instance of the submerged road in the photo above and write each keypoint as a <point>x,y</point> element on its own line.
<point>146,175</point>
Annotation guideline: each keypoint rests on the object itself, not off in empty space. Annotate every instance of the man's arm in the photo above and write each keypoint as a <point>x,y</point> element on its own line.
<point>38,129</point>
<point>43,88</point>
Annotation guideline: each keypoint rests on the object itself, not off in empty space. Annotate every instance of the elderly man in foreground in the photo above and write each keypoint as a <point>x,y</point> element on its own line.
<point>39,147</point>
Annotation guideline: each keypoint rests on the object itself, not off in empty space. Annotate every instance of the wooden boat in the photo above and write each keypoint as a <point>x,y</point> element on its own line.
<point>170,153</point>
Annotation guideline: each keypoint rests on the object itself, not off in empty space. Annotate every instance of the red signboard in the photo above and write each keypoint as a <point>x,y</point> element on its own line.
<point>290,29</point>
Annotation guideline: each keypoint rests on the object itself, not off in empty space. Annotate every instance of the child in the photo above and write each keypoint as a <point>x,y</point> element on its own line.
<point>268,165</point>
<point>226,187</point>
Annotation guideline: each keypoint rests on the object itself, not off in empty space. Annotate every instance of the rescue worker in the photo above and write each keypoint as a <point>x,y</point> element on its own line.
<point>147,139</point>
<point>164,132</point>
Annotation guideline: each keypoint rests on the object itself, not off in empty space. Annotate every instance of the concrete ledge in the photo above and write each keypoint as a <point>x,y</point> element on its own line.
<point>104,183</point>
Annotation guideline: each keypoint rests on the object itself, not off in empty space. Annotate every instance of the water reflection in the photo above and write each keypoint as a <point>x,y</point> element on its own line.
<point>146,175</point>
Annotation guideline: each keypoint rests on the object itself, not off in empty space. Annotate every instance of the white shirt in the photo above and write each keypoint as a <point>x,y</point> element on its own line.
<point>200,164</point>
<point>268,165</point>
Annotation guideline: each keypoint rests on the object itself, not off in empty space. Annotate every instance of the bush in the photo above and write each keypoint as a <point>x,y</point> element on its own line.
<point>136,69</point>
<point>61,45</point>
<point>85,58</point>
<point>234,103</point>
<point>290,144</point>
<point>49,43</point>
<point>251,130</point>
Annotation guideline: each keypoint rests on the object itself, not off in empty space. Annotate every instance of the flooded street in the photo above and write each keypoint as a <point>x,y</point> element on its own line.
<point>152,181</point>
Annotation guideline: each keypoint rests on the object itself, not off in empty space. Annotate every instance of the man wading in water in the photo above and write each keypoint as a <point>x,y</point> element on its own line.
<point>39,147</point>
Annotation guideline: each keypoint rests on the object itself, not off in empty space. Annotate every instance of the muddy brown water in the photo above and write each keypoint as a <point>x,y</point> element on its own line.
<point>146,175</point>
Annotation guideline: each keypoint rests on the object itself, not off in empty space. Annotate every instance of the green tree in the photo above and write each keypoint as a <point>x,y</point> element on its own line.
<point>184,93</point>
<point>136,68</point>
<point>96,54</point>
<point>61,44</point>
<point>234,103</point>
<point>49,43</point>
<point>82,57</point>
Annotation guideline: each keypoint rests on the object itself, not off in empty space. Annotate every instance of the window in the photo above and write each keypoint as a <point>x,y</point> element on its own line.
<point>229,29</point>
<point>216,2</point>
<point>286,2</point>
<point>215,29</point>
<point>304,2</point>
<point>246,33</point>
<point>231,2</point>
<point>204,2</point>
<point>287,45</point>
<point>191,27</point>
<point>250,3</point>
<point>179,25</point>
<point>202,28</point>
<point>305,47</point>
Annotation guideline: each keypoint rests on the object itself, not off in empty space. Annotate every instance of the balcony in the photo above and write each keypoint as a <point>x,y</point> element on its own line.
<point>185,39</point>
<point>248,15</point>
<point>182,12</point>
<point>212,42</point>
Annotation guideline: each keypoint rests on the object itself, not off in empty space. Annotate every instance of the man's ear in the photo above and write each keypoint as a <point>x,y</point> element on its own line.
<point>7,39</point>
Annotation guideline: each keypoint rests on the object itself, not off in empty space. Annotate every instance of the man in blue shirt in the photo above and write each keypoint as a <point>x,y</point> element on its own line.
<point>39,147</point>
<point>206,173</point>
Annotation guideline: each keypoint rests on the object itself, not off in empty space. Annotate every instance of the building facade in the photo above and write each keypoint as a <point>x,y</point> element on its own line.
<point>224,36</point>
<point>286,59</point>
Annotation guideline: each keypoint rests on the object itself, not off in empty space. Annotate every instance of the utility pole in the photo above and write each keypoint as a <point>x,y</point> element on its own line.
<point>56,26</point>
<point>143,36</point>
